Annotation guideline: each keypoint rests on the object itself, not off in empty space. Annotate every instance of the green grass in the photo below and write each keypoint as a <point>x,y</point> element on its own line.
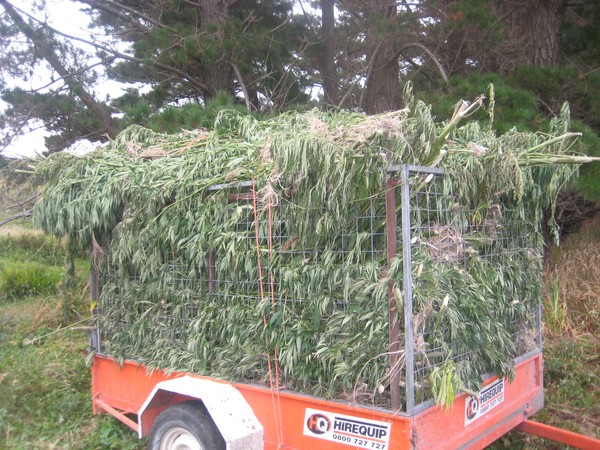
<point>44,385</point>
<point>18,280</point>
<point>572,392</point>
<point>29,245</point>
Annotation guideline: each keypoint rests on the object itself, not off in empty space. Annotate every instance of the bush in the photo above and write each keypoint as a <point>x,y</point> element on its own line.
<point>18,280</point>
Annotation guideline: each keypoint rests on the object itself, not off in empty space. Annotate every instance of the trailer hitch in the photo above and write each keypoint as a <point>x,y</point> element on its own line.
<point>559,435</point>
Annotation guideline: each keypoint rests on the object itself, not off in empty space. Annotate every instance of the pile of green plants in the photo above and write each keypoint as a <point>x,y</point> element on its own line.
<point>300,279</point>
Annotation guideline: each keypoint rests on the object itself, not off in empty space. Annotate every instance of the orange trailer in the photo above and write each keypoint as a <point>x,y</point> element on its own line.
<point>180,410</point>
<point>295,421</point>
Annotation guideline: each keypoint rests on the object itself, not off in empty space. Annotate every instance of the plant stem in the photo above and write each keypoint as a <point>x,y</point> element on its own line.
<point>462,110</point>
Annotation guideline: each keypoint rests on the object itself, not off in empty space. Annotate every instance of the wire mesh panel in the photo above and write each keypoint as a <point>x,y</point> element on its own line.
<point>271,288</point>
<point>410,293</point>
<point>471,286</point>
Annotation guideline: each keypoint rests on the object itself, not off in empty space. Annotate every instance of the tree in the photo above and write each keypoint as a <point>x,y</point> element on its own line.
<point>237,46</point>
<point>540,23</point>
<point>538,54</point>
<point>43,46</point>
<point>496,35</point>
<point>184,50</point>
<point>377,25</point>
<point>328,53</point>
<point>65,106</point>
<point>382,84</point>
<point>262,53</point>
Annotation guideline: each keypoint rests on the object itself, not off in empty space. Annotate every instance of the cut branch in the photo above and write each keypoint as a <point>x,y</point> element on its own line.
<point>461,110</point>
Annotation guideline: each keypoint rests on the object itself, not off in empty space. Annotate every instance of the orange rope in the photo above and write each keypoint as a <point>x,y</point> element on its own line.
<point>276,410</point>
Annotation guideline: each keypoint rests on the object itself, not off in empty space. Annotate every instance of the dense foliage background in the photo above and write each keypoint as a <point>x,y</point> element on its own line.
<point>183,61</point>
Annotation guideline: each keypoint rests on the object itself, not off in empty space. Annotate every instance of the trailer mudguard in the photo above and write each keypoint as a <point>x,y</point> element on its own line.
<point>229,410</point>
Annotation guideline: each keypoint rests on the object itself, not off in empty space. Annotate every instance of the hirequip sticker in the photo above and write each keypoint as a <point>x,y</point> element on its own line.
<point>487,399</point>
<point>349,430</point>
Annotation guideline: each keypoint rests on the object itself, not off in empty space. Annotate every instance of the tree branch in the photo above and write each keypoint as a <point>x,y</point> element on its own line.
<point>369,72</point>
<point>78,72</point>
<point>193,81</point>
<point>7,139</point>
<point>436,63</point>
<point>238,74</point>
<point>45,48</point>
<point>21,215</point>
<point>118,14</point>
<point>103,7</point>
<point>23,202</point>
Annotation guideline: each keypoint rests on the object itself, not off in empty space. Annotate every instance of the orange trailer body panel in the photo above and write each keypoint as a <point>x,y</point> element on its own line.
<point>283,415</point>
<point>435,429</point>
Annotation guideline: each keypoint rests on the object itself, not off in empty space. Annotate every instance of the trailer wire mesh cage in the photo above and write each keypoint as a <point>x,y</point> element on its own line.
<point>471,281</point>
<point>414,288</point>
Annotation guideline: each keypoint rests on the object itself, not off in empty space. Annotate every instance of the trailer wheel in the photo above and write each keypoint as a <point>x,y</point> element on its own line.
<point>185,426</point>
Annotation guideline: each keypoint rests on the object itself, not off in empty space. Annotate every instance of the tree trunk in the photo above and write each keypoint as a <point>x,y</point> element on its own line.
<point>327,57</point>
<point>534,26</point>
<point>219,73</point>
<point>546,17</point>
<point>45,49</point>
<point>454,49</point>
<point>383,87</point>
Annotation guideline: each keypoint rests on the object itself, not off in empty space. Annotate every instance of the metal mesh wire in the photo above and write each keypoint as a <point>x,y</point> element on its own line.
<point>292,257</point>
<point>434,235</point>
<point>493,247</point>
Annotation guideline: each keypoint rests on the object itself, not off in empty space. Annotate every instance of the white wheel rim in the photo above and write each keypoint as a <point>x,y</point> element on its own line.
<point>180,439</point>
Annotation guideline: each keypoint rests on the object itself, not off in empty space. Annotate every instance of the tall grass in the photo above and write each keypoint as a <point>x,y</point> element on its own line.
<point>571,353</point>
<point>45,388</point>
<point>31,246</point>
<point>555,309</point>
<point>30,264</point>
<point>572,281</point>
<point>572,325</point>
<point>23,279</point>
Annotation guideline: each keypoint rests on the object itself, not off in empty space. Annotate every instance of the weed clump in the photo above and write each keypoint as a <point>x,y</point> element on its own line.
<point>23,279</point>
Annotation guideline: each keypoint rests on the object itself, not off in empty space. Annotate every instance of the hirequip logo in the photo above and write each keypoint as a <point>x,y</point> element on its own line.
<point>318,423</point>
<point>472,407</point>
<point>352,431</point>
<point>487,399</point>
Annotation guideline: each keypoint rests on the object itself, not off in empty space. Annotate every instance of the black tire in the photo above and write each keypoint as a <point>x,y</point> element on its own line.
<point>177,426</point>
